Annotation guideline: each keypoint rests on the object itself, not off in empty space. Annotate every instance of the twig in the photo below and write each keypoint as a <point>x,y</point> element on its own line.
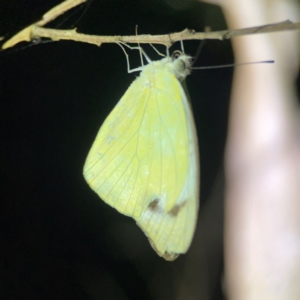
<point>37,30</point>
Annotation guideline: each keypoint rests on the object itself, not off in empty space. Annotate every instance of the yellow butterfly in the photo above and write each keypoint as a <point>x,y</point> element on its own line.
<point>144,160</point>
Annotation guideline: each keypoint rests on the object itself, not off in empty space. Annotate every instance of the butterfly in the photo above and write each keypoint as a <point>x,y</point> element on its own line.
<point>144,160</point>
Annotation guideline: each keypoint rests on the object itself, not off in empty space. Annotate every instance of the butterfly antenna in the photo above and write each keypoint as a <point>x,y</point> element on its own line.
<point>235,65</point>
<point>199,50</point>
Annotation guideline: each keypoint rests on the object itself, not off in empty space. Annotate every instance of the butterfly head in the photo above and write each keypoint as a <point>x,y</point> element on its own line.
<point>181,64</point>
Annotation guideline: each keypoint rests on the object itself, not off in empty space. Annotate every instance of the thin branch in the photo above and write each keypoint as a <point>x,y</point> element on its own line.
<point>36,31</point>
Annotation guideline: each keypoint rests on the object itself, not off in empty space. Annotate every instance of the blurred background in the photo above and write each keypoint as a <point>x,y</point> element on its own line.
<point>58,239</point>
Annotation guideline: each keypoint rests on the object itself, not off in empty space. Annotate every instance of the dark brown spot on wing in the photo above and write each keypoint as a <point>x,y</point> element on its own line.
<point>153,205</point>
<point>176,209</point>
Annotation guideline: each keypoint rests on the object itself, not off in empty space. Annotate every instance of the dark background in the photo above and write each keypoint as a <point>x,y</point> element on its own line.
<point>58,239</point>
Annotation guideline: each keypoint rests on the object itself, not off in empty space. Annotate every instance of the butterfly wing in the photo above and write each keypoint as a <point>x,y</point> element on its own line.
<point>170,232</point>
<point>144,161</point>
